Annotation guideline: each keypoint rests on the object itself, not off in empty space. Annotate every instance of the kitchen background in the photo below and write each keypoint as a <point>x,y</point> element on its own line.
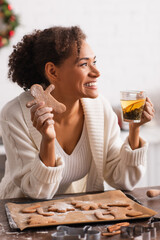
<point>125,36</point>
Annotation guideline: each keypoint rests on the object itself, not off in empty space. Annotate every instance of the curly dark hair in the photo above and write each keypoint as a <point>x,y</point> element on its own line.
<point>28,59</point>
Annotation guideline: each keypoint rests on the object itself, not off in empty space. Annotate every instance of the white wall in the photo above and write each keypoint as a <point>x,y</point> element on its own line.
<point>124,34</point>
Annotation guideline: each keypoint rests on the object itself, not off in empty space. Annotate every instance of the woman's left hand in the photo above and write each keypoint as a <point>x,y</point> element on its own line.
<point>147,115</point>
<point>148,112</point>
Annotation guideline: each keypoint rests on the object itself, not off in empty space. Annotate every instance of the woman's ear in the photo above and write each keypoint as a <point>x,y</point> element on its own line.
<point>51,71</point>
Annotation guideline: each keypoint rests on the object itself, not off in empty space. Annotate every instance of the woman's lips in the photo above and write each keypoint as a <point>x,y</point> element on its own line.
<point>91,84</point>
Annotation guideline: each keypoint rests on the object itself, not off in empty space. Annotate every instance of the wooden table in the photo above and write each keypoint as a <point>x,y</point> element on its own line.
<point>6,233</point>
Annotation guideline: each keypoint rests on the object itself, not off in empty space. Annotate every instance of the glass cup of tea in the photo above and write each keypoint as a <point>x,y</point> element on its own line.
<point>132,103</point>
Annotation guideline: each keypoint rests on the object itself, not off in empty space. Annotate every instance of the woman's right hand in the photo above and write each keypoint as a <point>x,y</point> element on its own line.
<point>42,118</point>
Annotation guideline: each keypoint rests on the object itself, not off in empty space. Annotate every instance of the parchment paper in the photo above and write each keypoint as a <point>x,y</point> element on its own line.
<point>78,216</point>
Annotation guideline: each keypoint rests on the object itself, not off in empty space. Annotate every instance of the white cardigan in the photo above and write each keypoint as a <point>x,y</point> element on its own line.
<point>26,175</point>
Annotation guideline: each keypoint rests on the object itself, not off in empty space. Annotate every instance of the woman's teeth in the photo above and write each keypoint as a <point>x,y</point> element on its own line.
<point>91,84</point>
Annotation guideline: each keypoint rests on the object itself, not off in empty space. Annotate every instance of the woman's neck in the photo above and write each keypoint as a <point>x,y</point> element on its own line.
<point>73,110</point>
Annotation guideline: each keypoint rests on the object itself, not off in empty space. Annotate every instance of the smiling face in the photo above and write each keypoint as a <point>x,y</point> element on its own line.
<point>77,77</point>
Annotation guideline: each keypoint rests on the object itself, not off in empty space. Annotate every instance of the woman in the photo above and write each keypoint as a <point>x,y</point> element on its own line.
<point>50,153</point>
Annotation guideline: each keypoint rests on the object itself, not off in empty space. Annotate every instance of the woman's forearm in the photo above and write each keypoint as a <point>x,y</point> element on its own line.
<point>47,152</point>
<point>134,139</point>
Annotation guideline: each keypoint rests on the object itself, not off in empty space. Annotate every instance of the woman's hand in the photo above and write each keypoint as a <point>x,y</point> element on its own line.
<point>42,118</point>
<point>147,114</point>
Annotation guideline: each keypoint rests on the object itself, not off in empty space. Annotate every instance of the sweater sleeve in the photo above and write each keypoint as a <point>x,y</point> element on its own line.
<point>27,171</point>
<point>123,166</point>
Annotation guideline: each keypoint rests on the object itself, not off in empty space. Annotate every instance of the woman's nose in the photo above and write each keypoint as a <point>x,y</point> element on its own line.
<point>94,72</point>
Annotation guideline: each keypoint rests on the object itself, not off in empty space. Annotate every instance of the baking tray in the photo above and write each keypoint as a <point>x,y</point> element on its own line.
<point>18,220</point>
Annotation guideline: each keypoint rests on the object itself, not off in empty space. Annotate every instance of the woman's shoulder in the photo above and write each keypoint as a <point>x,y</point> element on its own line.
<point>14,106</point>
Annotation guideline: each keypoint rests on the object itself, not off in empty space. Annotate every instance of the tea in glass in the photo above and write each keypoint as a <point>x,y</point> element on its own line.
<point>132,103</point>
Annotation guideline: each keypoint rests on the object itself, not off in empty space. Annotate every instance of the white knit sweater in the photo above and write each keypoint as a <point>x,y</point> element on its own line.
<point>26,175</point>
<point>77,164</point>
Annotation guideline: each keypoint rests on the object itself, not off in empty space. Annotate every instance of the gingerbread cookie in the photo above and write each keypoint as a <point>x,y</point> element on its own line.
<point>41,212</point>
<point>117,213</point>
<point>104,215</point>
<point>31,209</point>
<point>41,95</point>
<point>85,205</point>
<point>121,212</point>
<point>117,226</point>
<point>61,207</point>
<point>107,206</point>
<point>38,219</point>
<point>118,205</point>
<point>133,213</point>
<point>115,229</point>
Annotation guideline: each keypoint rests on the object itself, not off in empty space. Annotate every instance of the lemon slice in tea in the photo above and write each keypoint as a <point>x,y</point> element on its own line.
<point>135,105</point>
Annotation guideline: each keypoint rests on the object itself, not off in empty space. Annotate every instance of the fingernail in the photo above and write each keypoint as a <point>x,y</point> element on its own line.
<point>41,103</point>
<point>27,105</point>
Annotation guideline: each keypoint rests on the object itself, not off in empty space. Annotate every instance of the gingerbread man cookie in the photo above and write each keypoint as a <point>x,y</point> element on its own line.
<point>41,212</point>
<point>38,219</point>
<point>41,95</point>
<point>61,207</point>
<point>121,212</point>
<point>104,215</point>
<point>118,213</point>
<point>85,205</point>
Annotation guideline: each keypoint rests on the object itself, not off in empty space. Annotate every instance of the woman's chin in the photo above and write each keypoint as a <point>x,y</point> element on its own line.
<point>95,95</point>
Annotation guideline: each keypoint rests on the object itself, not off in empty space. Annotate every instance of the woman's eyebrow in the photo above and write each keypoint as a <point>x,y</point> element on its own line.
<point>85,58</point>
